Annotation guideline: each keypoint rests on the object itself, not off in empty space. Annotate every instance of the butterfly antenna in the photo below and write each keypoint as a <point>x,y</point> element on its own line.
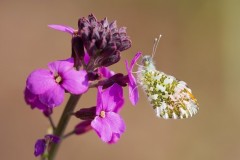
<point>156,42</point>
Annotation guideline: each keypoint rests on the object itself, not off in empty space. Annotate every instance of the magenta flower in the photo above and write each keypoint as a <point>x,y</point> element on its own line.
<point>132,85</point>
<point>48,86</point>
<point>108,123</point>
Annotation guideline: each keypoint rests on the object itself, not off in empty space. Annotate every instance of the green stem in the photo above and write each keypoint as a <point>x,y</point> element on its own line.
<point>70,106</point>
<point>51,122</point>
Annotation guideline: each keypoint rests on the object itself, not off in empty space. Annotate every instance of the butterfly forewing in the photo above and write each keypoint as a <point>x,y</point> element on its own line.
<point>169,97</point>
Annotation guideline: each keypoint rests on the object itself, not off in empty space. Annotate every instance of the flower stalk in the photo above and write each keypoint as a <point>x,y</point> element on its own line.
<point>70,106</point>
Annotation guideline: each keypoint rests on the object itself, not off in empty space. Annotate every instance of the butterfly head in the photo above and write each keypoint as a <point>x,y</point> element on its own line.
<point>147,62</point>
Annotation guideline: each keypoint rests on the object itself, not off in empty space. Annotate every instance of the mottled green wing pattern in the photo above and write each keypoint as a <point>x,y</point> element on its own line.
<point>169,97</point>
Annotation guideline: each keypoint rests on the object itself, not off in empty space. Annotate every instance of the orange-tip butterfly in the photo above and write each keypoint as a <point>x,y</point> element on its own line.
<point>169,97</point>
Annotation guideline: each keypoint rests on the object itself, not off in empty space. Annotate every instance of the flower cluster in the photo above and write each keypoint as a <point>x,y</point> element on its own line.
<point>95,46</point>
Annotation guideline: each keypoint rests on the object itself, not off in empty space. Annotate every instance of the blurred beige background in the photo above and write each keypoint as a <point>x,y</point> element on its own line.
<point>200,45</point>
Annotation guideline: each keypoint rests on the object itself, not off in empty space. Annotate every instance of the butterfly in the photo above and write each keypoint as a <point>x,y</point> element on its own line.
<point>169,97</point>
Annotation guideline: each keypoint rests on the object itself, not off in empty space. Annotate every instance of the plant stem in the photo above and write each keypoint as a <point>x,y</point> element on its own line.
<point>70,106</point>
<point>51,122</point>
<point>68,134</point>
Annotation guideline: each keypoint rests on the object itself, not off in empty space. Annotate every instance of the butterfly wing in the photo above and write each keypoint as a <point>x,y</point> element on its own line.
<point>169,97</point>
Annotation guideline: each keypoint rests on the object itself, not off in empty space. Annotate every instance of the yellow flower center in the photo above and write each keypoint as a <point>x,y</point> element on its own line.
<point>102,114</point>
<point>58,79</point>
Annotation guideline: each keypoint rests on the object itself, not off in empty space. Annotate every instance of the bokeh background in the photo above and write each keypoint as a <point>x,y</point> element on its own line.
<point>200,45</point>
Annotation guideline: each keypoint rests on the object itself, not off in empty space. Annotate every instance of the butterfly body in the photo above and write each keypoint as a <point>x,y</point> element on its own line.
<point>169,97</point>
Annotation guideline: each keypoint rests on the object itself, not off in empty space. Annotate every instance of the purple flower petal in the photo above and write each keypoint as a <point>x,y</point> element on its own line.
<point>40,147</point>
<point>115,122</point>
<point>41,80</point>
<point>33,100</point>
<point>134,60</point>
<point>61,66</point>
<point>112,98</point>
<point>133,93</point>
<point>132,86</point>
<point>62,28</point>
<point>99,106</point>
<point>53,97</point>
<point>102,129</point>
<point>74,81</point>
<point>86,58</point>
<point>105,72</point>
<point>115,138</point>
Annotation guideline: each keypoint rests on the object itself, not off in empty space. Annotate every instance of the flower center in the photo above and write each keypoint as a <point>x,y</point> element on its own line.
<point>58,79</point>
<point>102,114</point>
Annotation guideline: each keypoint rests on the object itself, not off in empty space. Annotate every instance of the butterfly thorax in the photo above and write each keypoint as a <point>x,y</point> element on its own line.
<point>169,97</point>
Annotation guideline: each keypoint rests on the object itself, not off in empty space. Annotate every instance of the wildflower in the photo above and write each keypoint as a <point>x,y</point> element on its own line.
<point>49,85</point>
<point>132,85</point>
<point>108,122</point>
<point>42,144</point>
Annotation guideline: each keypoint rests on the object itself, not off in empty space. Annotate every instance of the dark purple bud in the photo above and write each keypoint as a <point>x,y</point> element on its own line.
<point>105,23</point>
<point>92,19</point>
<point>86,113</point>
<point>102,41</point>
<point>109,60</point>
<point>47,112</point>
<point>77,50</point>
<point>118,78</point>
<point>126,43</point>
<point>83,127</point>
<point>83,23</point>
<point>40,147</point>
<point>93,75</point>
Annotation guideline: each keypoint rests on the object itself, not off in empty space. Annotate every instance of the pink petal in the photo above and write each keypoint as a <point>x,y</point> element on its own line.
<point>133,92</point>
<point>62,28</point>
<point>61,66</point>
<point>39,81</point>
<point>115,138</point>
<point>105,72</point>
<point>99,107</point>
<point>112,98</point>
<point>33,100</point>
<point>134,60</point>
<point>74,81</point>
<point>86,58</point>
<point>53,97</point>
<point>115,122</point>
<point>132,86</point>
<point>102,129</point>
